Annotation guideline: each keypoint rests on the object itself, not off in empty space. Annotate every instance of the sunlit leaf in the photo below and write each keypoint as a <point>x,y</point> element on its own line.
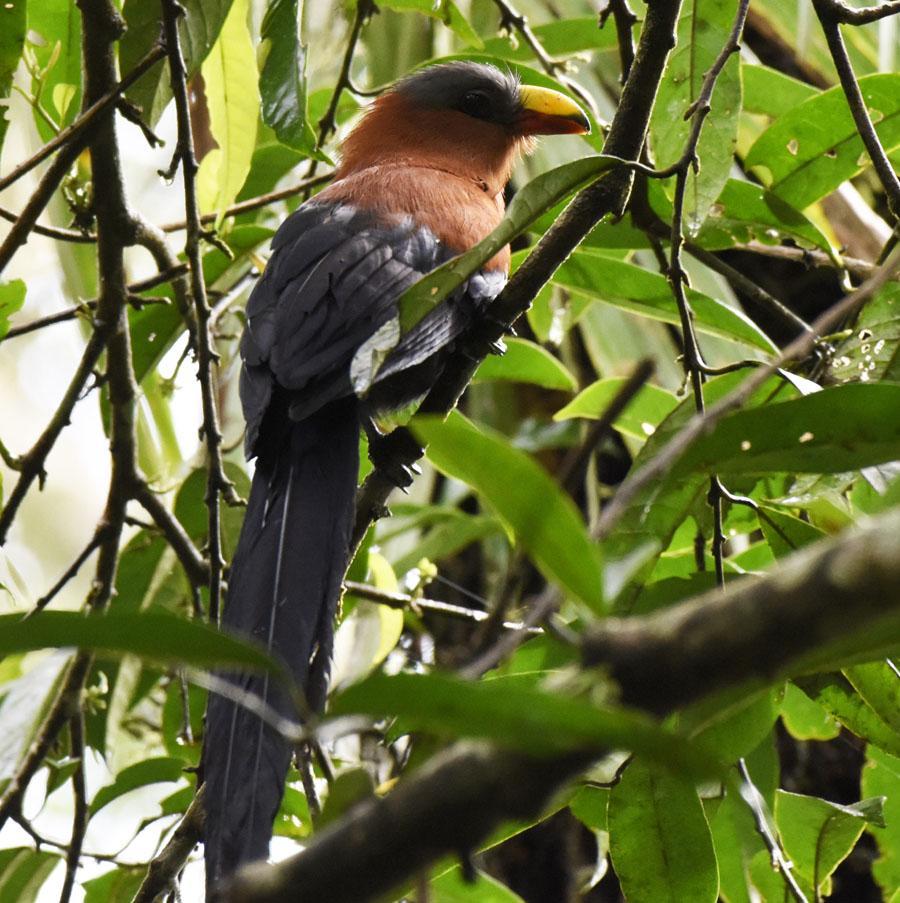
<point>445,11</point>
<point>526,362</point>
<point>23,871</point>
<point>12,297</point>
<point>544,520</point>
<point>150,771</point>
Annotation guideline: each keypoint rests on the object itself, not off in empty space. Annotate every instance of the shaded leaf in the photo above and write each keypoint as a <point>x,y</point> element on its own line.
<point>770,92</point>
<point>544,520</point>
<point>518,715</point>
<point>838,429</point>
<point>198,29</point>
<point>445,11</point>
<point>12,38</point>
<point>117,886</point>
<point>23,872</point>
<point>282,79</point>
<point>453,887</point>
<point>152,636</point>
<point>881,778</point>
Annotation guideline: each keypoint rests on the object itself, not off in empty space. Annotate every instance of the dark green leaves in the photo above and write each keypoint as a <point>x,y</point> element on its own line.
<point>545,522</point>
<point>150,635</point>
<point>840,428</point>
<point>282,80</point>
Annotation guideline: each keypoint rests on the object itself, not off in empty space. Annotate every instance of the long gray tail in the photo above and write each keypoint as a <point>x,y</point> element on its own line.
<point>283,590</point>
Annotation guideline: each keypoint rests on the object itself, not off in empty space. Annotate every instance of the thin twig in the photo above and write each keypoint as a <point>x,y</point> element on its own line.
<point>80,815</point>
<point>70,572</point>
<point>849,15</point>
<point>625,19</point>
<point>87,118</point>
<point>73,235</point>
<point>217,482</point>
<point>830,16</point>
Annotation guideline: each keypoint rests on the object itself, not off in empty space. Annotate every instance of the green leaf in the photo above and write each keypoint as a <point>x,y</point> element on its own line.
<point>453,887</point>
<point>881,778</point>
<point>804,718</point>
<point>703,30</point>
<point>770,92</point>
<point>232,96</point>
<point>879,685</point>
<point>649,407</point>
<point>445,11</point>
<point>12,38</point>
<point>818,835</point>
<point>840,428</point>
<point>23,872</point>
<point>660,843</point>
<point>427,293</point>
<point>12,296</point>
<point>812,148</point>
<point>526,362</point>
<point>518,715</point>
<point>735,730</point>
<point>57,53</point>
<point>872,352</point>
<point>282,79</point>
<point>563,37</point>
<point>745,212</point>
<point>589,806</point>
<point>117,886</point>
<point>153,636</point>
<point>785,533</point>
<point>544,519</point>
<point>837,695</point>
<point>198,29</point>
<point>151,771</point>
<point>631,287</point>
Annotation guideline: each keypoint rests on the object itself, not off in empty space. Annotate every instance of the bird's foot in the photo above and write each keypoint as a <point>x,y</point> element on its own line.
<point>395,455</point>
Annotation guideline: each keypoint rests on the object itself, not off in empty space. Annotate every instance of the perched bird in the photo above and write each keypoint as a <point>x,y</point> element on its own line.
<point>421,179</point>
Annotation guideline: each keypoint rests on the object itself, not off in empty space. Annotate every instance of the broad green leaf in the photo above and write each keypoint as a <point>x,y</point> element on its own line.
<point>427,293</point>
<point>811,149</point>
<point>660,509</point>
<point>660,843</point>
<point>445,11</point>
<point>804,718</point>
<point>544,519</point>
<point>117,886</point>
<point>57,53</point>
<point>518,715</point>
<point>746,212</point>
<point>345,791</point>
<point>786,533</point>
<point>837,696</point>
<point>452,887</point>
<point>12,38</point>
<point>703,30</point>
<point>151,635</point>
<point>23,703</point>
<point>881,778</point>
<point>156,327</point>
<point>23,872</point>
<point>526,362</point>
<point>570,35</point>
<point>818,835</point>
<point>838,429</point>
<point>198,29</point>
<point>872,351</point>
<point>282,79</point>
<point>151,771</point>
<point>879,685</point>
<point>649,407</point>
<point>626,285</point>
<point>770,92</point>
<point>589,806</point>
<point>448,538</point>
<point>735,730</point>
<point>12,296</point>
<point>232,97</point>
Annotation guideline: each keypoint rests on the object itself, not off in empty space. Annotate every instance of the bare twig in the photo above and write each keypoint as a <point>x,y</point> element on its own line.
<point>217,482</point>
<point>73,235</point>
<point>80,813</point>
<point>625,19</point>
<point>69,573</point>
<point>86,119</point>
<point>831,13</point>
<point>850,15</point>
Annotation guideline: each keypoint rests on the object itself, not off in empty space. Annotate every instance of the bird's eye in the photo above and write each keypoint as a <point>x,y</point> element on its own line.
<point>476,103</point>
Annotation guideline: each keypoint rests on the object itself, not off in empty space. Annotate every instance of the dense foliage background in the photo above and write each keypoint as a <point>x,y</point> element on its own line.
<point>707,385</point>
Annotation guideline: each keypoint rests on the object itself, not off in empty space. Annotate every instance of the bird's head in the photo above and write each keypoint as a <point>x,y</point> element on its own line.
<point>467,118</point>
